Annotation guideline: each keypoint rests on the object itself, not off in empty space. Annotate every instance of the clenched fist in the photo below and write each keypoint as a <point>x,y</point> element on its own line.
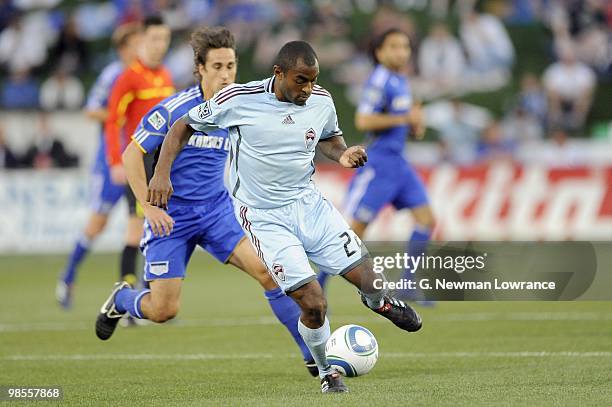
<point>353,157</point>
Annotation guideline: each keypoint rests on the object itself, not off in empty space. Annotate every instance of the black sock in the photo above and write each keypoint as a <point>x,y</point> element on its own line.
<point>128,264</point>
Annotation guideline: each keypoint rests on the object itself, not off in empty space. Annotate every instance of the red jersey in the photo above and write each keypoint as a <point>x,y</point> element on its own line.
<point>133,94</point>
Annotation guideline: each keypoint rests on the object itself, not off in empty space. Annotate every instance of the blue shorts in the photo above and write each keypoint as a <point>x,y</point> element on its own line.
<point>210,225</point>
<point>104,194</point>
<point>385,179</point>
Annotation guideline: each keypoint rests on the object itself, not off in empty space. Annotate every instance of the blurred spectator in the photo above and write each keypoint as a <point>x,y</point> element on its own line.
<point>560,152</point>
<point>458,135</point>
<point>493,146</point>
<point>47,151</point>
<point>70,51</point>
<point>329,35</point>
<point>532,97</point>
<point>8,159</point>
<point>23,45</point>
<point>487,43</point>
<point>569,85</point>
<point>441,60</point>
<point>441,8</point>
<point>521,127</point>
<point>61,91</point>
<point>20,91</point>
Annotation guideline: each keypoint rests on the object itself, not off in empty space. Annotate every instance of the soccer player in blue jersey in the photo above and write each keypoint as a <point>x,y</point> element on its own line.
<point>388,115</point>
<point>200,212</point>
<point>274,127</point>
<point>105,193</point>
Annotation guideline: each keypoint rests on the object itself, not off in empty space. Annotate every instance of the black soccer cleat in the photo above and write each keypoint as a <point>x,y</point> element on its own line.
<point>398,312</point>
<point>312,368</point>
<point>109,317</point>
<point>332,383</point>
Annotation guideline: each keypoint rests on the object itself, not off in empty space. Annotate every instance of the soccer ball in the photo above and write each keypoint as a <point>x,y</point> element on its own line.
<point>352,350</point>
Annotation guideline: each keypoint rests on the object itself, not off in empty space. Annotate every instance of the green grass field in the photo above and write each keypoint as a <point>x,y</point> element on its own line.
<point>225,348</point>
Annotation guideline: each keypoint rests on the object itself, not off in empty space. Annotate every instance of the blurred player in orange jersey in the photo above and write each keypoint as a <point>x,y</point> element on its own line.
<point>142,85</point>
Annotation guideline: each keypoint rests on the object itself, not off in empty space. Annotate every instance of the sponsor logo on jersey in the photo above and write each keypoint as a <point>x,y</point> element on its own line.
<point>279,271</point>
<point>310,137</point>
<point>288,120</point>
<point>156,120</point>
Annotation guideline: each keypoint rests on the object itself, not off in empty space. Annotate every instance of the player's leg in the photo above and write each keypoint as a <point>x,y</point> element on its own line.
<point>133,234</point>
<point>225,240</point>
<point>270,232</point>
<point>368,192</point>
<point>166,261</point>
<point>104,196</point>
<point>336,249</point>
<point>283,307</point>
<point>413,196</point>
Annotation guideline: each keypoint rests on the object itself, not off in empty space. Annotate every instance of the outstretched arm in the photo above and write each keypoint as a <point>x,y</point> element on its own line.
<point>335,149</point>
<point>160,187</point>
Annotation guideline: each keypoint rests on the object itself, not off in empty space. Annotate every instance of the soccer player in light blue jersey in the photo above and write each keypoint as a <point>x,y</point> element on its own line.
<point>200,211</point>
<point>274,127</point>
<point>388,115</point>
<point>105,193</point>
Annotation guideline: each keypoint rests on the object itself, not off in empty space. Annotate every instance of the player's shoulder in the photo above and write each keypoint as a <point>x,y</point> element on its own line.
<point>379,77</point>
<point>184,97</point>
<point>235,93</point>
<point>112,70</point>
<point>322,96</point>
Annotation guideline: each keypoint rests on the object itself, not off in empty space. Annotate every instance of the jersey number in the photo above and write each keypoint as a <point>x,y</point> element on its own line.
<point>347,237</point>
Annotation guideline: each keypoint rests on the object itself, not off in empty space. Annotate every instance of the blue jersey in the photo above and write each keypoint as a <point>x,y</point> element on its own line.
<point>98,99</point>
<point>198,170</point>
<point>386,92</point>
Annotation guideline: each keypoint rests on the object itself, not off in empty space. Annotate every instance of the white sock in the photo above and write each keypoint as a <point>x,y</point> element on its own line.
<point>316,339</point>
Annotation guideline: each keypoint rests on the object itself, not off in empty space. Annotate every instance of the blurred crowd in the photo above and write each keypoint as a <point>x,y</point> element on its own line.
<point>46,52</point>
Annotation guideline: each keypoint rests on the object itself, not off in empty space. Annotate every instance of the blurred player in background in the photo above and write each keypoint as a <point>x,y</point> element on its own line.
<point>274,127</point>
<point>388,115</point>
<point>105,193</point>
<point>145,83</point>
<point>200,211</point>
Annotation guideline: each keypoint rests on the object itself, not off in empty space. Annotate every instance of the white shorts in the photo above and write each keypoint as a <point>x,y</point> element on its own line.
<point>309,228</point>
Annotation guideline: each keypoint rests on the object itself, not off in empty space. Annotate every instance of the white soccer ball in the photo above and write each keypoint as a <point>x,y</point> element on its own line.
<point>352,350</point>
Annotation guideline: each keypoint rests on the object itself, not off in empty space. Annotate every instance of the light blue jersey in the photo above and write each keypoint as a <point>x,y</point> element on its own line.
<point>272,142</point>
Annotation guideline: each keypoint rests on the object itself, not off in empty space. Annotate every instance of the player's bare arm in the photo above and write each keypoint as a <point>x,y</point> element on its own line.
<point>99,115</point>
<point>335,149</point>
<point>160,187</point>
<point>383,121</point>
<point>133,163</point>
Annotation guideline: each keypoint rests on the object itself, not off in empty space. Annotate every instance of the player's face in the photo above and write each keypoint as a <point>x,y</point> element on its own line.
<point>220,69</point>
<point>394,52</point>
<point>156,40</point>
<point>296,84</point>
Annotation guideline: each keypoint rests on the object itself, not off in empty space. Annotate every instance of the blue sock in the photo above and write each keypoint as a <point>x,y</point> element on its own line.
<point>417,245</point>
<point>78,254</point>
<point>288,313</point>
<point>322,279</point>
<point>128,300</point>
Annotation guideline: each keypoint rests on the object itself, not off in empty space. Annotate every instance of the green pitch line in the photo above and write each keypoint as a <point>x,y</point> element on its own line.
<point>224,352</point>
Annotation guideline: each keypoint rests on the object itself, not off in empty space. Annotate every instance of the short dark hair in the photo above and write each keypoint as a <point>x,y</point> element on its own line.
<point>152,20</point>
<point>379,40</point>
<point>206,38</point>
<point>295,51</point>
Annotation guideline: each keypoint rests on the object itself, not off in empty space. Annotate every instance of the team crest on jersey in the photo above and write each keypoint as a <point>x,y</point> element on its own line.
<point>279,271</point>
<point>156,120</point>
<point>310,137</point>
<point>204,110</point>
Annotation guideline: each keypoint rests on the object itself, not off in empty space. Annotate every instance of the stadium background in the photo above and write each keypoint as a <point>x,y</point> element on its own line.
<point>497,166</point>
